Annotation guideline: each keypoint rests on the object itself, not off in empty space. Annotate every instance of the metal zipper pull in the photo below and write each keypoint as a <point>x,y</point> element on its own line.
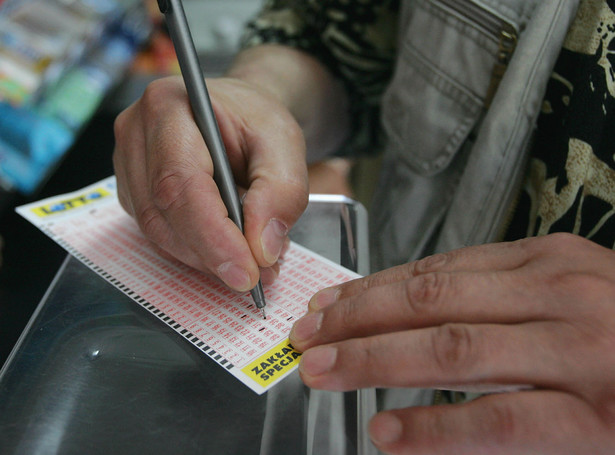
<point>506,47</point>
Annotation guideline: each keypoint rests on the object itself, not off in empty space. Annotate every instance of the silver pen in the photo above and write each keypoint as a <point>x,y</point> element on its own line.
<point>205,117</point>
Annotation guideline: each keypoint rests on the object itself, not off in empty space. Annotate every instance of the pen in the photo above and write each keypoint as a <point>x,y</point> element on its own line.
<point>205,118</point>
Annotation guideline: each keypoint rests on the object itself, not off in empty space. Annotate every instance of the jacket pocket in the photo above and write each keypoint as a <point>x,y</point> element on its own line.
<point>452,54</point>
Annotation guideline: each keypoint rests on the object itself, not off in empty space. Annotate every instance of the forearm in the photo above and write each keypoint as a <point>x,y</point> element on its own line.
<point>316,99</point>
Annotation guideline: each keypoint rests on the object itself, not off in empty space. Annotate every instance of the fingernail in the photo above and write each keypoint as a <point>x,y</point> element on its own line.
<point>234,276</point>
<point>324,298</point>
<point>272,240</point>
<point>385,428</point>
<point>317,361</point>
<point>306,327</point>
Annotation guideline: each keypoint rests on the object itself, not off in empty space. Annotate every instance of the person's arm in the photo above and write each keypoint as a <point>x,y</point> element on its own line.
<point>316,99</point>
<point>534,317</point>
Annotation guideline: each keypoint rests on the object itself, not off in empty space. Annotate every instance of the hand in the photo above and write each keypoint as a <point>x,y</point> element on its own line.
<point>539,312</point>
<point>164,175</point>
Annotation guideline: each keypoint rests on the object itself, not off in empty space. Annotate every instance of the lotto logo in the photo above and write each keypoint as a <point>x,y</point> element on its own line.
<point>72,203</point>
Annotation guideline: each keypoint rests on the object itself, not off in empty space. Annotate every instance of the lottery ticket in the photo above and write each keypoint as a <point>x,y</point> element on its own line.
<point>225,325</point>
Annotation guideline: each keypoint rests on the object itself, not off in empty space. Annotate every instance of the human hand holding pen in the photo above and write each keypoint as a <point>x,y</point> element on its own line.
<point>165,182</point>
<point>274,102</point>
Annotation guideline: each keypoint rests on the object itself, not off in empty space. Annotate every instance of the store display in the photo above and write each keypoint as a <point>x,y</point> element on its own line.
<point>58,60</point>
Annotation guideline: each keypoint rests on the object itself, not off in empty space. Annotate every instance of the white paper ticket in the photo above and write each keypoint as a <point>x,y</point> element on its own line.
<point>225,325</point>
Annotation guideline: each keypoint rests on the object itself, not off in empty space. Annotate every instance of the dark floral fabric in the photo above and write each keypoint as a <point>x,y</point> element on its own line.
<point>570,184</point>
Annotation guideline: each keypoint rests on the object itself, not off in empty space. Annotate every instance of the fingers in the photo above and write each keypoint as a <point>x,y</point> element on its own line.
<point>494,257</point>
<point>459,356</point>
<point>428,299</point>
<point>538,317</point>
<point>506,424</point>
<point>496,283</point>
<point>505,256</point>
<point>271,208</point>
<point>275,175</point>
<point>164,175</point>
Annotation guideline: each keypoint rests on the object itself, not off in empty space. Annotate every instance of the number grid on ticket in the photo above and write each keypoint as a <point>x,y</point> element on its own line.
<point>224,325</point>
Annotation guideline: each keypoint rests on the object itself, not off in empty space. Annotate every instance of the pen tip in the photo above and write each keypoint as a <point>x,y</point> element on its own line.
<point>263,312</point>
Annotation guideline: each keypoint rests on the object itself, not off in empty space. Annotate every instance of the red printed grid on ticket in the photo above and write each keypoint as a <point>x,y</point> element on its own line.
<point>224,324</point>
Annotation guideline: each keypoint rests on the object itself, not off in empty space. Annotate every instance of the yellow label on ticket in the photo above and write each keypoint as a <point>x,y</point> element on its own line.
<point>61,206</point>
<point>272,365</point>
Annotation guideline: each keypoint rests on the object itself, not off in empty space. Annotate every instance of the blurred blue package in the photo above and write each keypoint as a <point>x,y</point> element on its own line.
<point>77,95</point>
<point>30,146</point>
<point>58,60</point>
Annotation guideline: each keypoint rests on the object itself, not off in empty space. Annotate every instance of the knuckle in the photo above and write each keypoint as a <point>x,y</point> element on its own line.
<point>370,281</point>
<point>119,124</point>
<point>502,422</point>
<point>424,292</point>
<point>564,242</point>
<point>371,350</point>
<point>396,275</point>
<point>453,347</point>
<point>432,263</point>
<point>160,97</point>
<point>154,92</point>
<point>153,225</point>
<point>168,188</point>
<point>348,314</point>
<point>564,238</point>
